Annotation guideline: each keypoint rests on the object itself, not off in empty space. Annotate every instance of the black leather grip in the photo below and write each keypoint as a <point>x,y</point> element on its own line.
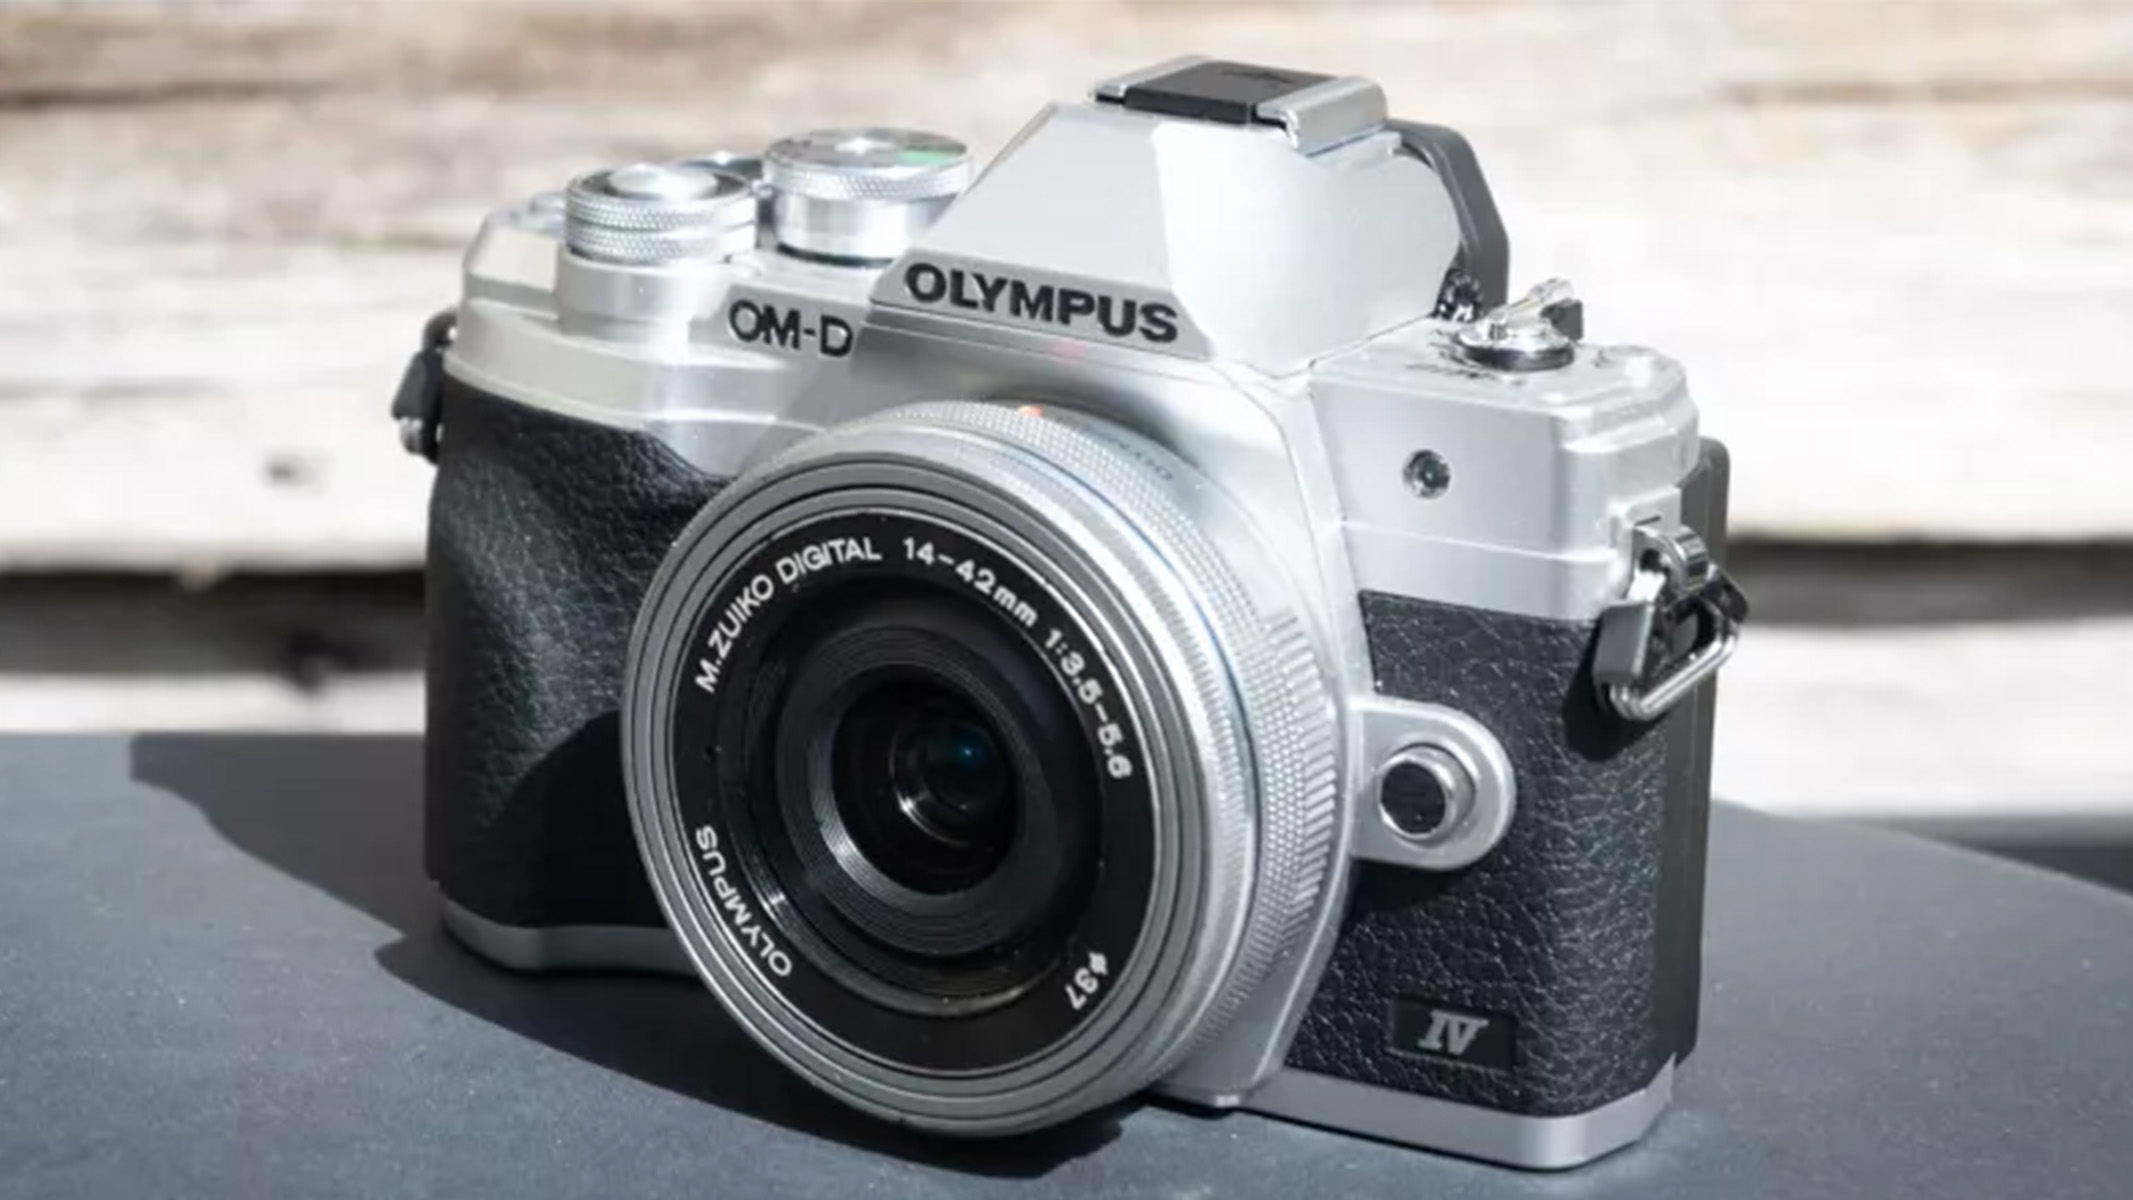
<point>1582,928</point>
<point>544,531</point>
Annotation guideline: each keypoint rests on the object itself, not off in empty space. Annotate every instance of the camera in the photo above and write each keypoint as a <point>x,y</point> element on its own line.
<point>1154,614</point>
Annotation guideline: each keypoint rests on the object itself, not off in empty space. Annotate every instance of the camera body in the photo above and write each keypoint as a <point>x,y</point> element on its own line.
<point>1342,632</point>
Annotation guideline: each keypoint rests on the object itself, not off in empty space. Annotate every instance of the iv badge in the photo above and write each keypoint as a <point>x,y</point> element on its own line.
<point>1459,1035</point>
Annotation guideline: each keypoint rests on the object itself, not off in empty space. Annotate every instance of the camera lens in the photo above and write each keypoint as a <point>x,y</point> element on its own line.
<point>917,796</point>
<point>949,779</point>
<point>924,786</point>
<point>979,758</point>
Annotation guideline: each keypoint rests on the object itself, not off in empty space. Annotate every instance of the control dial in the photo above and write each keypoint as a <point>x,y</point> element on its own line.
<point>861,195</point>
<point>649,213</point>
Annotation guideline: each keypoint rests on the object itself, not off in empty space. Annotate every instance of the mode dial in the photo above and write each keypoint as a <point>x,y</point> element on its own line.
<point>861,195</point>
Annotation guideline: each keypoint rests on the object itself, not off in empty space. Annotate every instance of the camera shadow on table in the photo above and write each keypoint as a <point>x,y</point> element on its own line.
<point>344,814</point>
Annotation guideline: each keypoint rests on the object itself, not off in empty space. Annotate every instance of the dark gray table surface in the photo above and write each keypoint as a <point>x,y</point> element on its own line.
<point>220,975</point>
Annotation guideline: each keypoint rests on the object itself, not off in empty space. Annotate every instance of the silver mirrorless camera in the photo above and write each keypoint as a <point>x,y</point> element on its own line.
<point>1150,614</point>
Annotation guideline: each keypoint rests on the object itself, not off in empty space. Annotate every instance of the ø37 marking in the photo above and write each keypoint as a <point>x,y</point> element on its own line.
<point>1087,980</point>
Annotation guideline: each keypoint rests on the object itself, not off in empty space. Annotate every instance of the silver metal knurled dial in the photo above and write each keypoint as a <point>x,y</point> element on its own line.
<point>861,194</point>
<point>649,213</point>
<point>1537,332</point>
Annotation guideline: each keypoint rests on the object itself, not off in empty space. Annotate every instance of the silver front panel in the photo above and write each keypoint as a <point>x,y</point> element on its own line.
<point>1535,1143</point>
<point>569,948</point>
<point>1270,257</point>
<point>1548,470</point>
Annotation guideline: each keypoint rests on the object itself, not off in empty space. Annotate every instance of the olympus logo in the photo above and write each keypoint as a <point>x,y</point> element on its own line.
<point>733,905</point>
<point>1070,308</point>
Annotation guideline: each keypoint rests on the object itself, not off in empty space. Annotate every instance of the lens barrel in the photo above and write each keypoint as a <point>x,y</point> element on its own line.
<point>980,763</point>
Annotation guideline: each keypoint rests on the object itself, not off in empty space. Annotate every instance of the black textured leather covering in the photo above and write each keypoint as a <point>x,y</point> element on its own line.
<point>544,531</point>
<point>1583,927</point>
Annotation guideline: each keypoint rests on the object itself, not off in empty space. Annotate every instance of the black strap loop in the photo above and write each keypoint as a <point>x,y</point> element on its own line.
<point>419,404</point>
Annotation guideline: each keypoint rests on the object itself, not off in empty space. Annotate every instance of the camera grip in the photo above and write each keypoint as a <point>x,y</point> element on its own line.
<point>1579,937</point>
<point>544,531</point>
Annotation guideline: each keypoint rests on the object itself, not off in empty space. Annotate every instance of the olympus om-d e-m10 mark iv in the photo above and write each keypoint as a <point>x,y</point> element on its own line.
<point>1154,614</point>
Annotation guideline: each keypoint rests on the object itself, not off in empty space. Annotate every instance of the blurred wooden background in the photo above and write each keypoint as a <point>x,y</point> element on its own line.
<point>1892,239</point>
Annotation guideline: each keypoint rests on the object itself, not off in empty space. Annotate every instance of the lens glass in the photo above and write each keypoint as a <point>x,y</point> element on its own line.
<point>920,796</point>
<point>923,785</point>
<point>949,779</point>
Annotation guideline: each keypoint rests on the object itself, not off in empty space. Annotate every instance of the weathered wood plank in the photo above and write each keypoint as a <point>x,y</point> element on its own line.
<point>1893,241</point>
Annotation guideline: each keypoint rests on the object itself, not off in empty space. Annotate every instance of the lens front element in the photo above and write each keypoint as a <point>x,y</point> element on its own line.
<point>913,783</point>
<point>948,777</point>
